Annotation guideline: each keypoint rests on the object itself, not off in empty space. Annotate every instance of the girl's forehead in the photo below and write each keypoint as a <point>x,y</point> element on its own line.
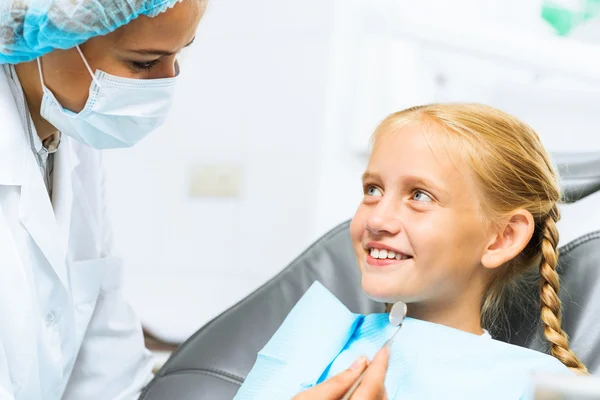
<point>418,144</point>
<point>428,153</point>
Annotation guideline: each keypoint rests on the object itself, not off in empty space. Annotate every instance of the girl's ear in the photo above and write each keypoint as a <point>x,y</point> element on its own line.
<point>510,239</point>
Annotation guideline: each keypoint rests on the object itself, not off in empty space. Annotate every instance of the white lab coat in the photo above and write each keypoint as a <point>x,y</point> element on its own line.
<point>65,329</point>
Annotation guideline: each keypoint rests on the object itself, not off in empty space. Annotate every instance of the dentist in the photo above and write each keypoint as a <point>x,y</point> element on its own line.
<point>75,77</point>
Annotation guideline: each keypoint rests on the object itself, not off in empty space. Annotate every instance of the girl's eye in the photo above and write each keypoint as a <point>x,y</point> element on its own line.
<point>422,197</point>
<point>144,66</point>
<point>373,191</point>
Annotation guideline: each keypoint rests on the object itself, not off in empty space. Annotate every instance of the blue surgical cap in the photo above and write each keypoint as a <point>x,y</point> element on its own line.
<point>31,28</point>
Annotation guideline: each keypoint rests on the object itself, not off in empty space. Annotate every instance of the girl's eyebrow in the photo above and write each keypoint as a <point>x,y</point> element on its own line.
<point>368,175</point>
<point>428,183</point>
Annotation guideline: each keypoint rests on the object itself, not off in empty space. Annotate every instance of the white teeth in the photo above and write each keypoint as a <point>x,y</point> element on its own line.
<point>383,254</point>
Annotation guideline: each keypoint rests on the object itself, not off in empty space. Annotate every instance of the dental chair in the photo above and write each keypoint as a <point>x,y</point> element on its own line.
<point>213,363</point>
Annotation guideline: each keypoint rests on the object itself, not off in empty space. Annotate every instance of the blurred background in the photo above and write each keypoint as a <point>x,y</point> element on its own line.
<point>268,138</point>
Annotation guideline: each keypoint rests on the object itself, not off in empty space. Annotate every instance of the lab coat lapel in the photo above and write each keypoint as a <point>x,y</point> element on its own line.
<point>18,167</point>
<point>65,161</point>
<point>37,215</point>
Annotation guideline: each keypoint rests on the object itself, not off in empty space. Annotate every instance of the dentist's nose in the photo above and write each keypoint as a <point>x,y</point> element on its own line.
<point>168,69</point>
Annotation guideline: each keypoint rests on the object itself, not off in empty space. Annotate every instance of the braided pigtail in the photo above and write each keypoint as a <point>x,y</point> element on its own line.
<point>550,302</point>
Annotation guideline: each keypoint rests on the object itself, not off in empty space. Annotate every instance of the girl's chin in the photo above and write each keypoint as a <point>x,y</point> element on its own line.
<point>383,290</point>
<point>381,295</point>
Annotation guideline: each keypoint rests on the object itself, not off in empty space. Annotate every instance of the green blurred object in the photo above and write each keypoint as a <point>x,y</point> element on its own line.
<point>564,18</point>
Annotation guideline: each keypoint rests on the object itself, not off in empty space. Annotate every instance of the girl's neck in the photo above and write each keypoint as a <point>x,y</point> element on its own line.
<point>465,316</point>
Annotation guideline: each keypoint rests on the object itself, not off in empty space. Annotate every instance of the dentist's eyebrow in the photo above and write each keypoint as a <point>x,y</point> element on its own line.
<point>157,52</point>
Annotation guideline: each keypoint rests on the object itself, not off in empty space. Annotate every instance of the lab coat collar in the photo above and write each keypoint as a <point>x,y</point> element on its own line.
<point>49,227</point>
<point>13,145</point>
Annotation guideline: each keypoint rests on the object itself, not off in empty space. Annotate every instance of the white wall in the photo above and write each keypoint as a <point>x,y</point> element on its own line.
<point>252,93</point>
<point>281,89</point>
<point>393,54</point>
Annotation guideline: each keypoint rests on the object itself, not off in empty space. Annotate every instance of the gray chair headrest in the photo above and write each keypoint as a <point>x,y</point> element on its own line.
<point>579,174</point>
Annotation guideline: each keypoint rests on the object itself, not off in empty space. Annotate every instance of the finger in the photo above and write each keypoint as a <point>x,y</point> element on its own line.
<point>335,387</point>
<point>372,386</point>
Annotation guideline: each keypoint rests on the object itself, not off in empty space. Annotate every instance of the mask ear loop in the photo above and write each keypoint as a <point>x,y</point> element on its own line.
<point>84,61</point>
<point>88,67</point>
<point>39,63</point>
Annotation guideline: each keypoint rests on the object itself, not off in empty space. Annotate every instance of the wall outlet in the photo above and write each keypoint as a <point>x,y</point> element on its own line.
<point>215,180</point>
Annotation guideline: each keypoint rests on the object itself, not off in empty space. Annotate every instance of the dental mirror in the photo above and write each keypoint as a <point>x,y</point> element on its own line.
<point>397,315</point>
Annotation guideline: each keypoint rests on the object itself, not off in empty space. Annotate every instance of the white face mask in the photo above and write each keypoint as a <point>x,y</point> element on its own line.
<point>119,111</point>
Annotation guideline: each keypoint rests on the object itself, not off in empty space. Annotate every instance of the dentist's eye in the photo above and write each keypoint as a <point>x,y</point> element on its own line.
<point>371,190</point>
<point>144,66</point>
<point>421,196</point>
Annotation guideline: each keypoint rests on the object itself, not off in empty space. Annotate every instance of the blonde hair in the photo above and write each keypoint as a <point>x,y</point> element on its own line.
<point>513,170</point>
